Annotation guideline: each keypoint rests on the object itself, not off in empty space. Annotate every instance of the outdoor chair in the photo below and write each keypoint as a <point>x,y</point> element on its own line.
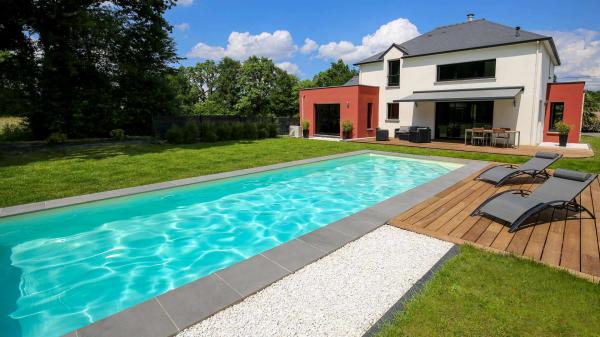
<point>534,167</point>
<point>559,191</point>
<point>478,136</point>
<point>500,134</point>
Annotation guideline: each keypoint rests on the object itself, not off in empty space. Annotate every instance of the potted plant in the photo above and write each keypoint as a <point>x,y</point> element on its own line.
<point>563,132</point>
<point>346,129</point>
<point>305,126</point>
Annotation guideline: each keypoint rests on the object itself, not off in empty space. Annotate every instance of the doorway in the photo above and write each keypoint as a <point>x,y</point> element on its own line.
<point>327,119</point>
<point>452,118</point>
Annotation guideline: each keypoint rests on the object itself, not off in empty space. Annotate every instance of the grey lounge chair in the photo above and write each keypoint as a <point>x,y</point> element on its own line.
<point>559,191</point>
<point>535,167</point>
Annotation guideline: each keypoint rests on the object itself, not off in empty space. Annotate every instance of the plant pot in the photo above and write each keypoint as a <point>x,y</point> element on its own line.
<point>562,140</point>
<point>305,133</point>
<point>346,134</point>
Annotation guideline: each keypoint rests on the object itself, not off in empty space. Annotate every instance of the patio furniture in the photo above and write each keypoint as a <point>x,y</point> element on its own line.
<point>500,135</point>
<point>420,135</point>
<point>515,134</point>
<point>478,136</point>
<point>382,135</point>
<point>516,206</point>
<point>534,167</point>
<point>402,132</point>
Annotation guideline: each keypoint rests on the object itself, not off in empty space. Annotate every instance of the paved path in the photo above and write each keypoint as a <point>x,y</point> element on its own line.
<point>342,294</point>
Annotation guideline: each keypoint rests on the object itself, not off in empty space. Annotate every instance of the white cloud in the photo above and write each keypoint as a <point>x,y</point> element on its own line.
<point>278,45</point>
<point>288,67</point>
<point>185,3</point>
<point>183,27</point>
<point>579,51</point>
<point>309,46</point>
<point>396,31</point>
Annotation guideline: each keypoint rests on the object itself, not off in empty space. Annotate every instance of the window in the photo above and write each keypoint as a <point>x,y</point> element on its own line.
<point>557,110</point>
<point>393,111</point>
<point>393,73</point>
<point>466,70</point>
<point>369,115</point>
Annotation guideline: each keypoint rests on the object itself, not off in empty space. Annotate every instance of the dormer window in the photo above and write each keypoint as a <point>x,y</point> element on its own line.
<point>393,73</point>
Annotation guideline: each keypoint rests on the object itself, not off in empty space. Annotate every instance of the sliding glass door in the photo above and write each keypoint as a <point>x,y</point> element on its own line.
<point>452,118</point>
<point>327,119</point>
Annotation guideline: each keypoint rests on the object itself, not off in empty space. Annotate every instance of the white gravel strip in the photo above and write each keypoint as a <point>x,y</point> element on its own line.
<point>342,294</point>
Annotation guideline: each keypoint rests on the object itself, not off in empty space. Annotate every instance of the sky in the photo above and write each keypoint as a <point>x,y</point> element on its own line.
<point>304,37</point>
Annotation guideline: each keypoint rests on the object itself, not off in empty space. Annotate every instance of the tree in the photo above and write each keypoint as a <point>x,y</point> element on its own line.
<point>283,97</point>
<point>204,76</point>
<point>227,90</point>
<point>591,106</point>
<point>337,74</point>
<point>256,80</point>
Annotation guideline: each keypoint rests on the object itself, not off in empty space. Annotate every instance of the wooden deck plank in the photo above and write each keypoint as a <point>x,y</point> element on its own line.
<point>571,248</point>
<point>590,258</point>
<point>554,241</point>
<point>537,241</point>
<point>521,237</point>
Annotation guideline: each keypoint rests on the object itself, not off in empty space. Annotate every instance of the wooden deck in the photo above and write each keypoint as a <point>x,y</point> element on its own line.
<point>558,238</point>
<point>523,150</point>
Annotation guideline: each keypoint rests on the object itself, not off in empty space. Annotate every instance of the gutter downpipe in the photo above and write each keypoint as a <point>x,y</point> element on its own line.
<point>534,115</point>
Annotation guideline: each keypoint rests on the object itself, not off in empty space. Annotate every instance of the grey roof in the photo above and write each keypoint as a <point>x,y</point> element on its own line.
<point>463,36</point>
<point>352,81</point>
<point>479,94</point>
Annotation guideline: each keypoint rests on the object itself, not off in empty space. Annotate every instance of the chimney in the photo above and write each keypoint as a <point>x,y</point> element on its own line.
<point>470,17</point>
<point>518,31</point>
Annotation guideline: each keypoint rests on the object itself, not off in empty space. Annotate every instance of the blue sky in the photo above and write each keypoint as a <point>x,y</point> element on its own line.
<point>350,29</point>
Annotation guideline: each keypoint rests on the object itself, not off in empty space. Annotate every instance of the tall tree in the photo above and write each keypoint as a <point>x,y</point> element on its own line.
<point>337,74</point>
<point>204,77</point>
<point>283,97</point>
<point>256,80</point>
<point>228,87</point>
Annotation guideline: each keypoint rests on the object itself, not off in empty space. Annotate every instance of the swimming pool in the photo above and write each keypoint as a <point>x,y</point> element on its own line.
<point>65,268</point>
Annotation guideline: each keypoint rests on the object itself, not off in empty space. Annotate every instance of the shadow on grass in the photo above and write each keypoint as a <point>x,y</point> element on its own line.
<point>103,152</point>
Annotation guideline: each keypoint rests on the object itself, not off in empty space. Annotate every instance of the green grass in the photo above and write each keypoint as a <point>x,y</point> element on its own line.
<point>484,294</point>
<point>49,174</point>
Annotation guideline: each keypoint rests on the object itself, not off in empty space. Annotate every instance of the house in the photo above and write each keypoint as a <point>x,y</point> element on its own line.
<point>472,74</point>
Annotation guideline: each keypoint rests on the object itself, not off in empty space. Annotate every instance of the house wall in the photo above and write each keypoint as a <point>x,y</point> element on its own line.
<point>353,102</point>
<point>525,64</point>
<point>571,94</point>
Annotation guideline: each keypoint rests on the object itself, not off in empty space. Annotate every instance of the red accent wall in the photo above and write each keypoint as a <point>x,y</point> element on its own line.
<point>353,101</point>
<point>571,94</point>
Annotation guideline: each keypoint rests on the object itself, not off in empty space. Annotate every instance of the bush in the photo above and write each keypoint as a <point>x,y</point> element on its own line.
<point>223,131</point>
<point>250,131</point>
<point>118,134</point>
<point>273,129</point>
<point>562,128</point>
<point>14,132</point>
<point>190,132</point>
<point>347,126</point>
<point>237,131</point>
<point>305,124</point>
<point>210,136</point>
<point>263,132</point>
<point>56,138</point>
<point>174,135</point>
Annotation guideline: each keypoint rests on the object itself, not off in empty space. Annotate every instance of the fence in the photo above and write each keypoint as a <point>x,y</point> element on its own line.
<point>163,123</point>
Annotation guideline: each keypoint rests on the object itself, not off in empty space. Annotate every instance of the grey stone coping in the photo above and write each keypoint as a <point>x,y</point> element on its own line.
<point>177,309</point>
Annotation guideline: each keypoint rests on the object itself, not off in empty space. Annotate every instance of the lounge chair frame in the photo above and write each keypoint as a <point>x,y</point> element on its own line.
<point>543,174</point>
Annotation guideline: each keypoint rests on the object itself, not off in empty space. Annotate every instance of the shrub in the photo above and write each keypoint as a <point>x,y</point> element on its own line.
<point>210,136</point>
<point>14,132</point>
<point>263,132</point>
<point>224,131</point>
<point>238,131</point>
<point>56,138</point>
<point>251,131</point>
<point>273,129</point>
<point>174,135</point>
<point>118,134</point>
<point>305,124</point>
<point>347,126</point>
<point>562,128</point>
<point>190,132</point>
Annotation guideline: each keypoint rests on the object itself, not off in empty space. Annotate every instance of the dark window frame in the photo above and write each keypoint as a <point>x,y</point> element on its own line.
<point>393,80</point>
<point>397,105</point>
<point>458,71</point>
<point>369,115</point>
<point>553,118</point>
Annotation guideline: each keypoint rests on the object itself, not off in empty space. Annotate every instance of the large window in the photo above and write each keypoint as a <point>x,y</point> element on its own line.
<point>393,111</point>
<point>466,70</point>
<point>452,118</point>
<point>393,73</point>
<point>557,110</point>
<point>369,115</point>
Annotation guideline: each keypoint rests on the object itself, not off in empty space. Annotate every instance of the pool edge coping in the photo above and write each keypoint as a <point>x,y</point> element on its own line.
<point>172,312</point>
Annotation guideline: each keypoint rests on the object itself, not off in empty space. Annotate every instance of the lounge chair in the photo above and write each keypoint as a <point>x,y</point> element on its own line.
<point>535,167</point>
<point>559,191</point>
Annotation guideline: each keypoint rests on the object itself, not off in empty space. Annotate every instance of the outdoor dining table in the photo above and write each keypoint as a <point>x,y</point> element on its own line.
<point>516,135</point>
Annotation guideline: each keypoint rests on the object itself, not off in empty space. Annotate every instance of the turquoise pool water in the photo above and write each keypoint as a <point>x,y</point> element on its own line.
<point>65,268</point>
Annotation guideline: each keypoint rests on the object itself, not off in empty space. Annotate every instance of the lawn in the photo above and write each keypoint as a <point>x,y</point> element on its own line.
<point>484,294</point>
<point>50,174</point>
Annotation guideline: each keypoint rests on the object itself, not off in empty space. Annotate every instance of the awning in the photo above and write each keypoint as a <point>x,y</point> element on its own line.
<point>480,94</point>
